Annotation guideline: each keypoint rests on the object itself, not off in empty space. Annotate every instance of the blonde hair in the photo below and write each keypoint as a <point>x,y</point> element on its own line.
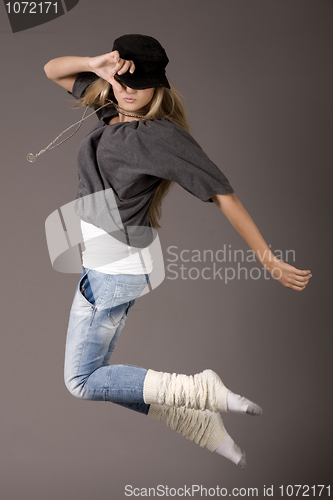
<point>165,104</point>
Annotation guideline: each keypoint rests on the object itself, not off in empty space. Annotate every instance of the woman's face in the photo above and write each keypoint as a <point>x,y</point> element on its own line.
<point>131,99</point>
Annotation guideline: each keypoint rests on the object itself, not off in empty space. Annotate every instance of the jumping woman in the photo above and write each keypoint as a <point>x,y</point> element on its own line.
<point>126,164</point>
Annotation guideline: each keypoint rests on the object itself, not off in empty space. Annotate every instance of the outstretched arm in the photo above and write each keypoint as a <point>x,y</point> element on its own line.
<point>64,70</point>
<point>240,219</point>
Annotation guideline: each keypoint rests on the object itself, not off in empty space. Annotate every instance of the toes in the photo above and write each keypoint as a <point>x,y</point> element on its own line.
<point>254,410</point>
<point>242,463</point>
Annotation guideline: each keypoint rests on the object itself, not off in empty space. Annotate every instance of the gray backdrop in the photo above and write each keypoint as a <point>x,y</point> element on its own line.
<point>257,77</point>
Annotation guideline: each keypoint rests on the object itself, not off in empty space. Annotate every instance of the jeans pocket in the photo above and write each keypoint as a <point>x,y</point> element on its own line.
<point>85,290</point>
<point>124,298</point>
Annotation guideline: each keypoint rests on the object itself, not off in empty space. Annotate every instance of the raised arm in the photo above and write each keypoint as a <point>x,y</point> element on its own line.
<point>64,70</point>
<point>240,219</point>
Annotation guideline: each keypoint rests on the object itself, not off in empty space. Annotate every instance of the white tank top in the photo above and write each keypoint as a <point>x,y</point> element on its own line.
<point>108,255</point>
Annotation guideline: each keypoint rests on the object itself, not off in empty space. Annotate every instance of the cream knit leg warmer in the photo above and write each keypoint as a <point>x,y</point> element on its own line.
<point>203,391</point>
<point>205,428</point>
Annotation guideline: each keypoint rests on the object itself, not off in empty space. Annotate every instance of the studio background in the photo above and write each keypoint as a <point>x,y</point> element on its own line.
<point>257,78</point>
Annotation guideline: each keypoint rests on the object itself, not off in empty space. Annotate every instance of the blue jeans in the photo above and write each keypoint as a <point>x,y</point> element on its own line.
<point>100,307</point>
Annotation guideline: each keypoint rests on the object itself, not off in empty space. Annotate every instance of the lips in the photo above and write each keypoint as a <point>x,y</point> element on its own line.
<point>129,100</point>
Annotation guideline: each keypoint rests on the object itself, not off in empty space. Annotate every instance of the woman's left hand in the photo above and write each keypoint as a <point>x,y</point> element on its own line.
<point>289,276</point>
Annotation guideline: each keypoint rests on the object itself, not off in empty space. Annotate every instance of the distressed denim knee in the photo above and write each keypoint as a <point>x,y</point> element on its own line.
<point>76,387</point>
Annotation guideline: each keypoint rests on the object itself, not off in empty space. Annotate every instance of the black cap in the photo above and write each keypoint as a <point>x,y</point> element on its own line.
<point>149,58</point>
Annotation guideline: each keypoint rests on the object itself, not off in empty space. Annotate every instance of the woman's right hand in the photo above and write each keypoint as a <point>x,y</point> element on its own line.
<point>108,65</point>
<point>64,70</point>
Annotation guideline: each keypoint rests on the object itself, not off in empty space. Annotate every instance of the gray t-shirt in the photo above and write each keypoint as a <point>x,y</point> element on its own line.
<point>125,162</point>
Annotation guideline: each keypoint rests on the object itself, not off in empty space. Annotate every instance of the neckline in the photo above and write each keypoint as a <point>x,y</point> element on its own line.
<point>122,122</point>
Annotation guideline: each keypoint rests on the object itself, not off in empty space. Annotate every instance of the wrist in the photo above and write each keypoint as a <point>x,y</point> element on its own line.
<point>88,64</point>
<point>268,260</point>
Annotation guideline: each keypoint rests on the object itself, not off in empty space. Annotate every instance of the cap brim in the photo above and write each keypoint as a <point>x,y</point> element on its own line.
<point>141,82</point>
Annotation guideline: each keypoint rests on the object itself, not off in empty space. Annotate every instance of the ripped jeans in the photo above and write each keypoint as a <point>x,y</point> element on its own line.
<point>98,314</point>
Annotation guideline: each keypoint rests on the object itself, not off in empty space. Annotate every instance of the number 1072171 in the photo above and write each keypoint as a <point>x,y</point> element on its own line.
<point>31,7</point>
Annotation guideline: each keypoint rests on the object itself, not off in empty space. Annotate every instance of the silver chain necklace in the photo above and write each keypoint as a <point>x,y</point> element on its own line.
<point>124,112</point>
<point>32,157</point>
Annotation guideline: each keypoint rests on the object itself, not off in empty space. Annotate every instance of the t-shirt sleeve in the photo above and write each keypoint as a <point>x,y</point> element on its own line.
<point>176,156</point>
<point>82,82</point>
